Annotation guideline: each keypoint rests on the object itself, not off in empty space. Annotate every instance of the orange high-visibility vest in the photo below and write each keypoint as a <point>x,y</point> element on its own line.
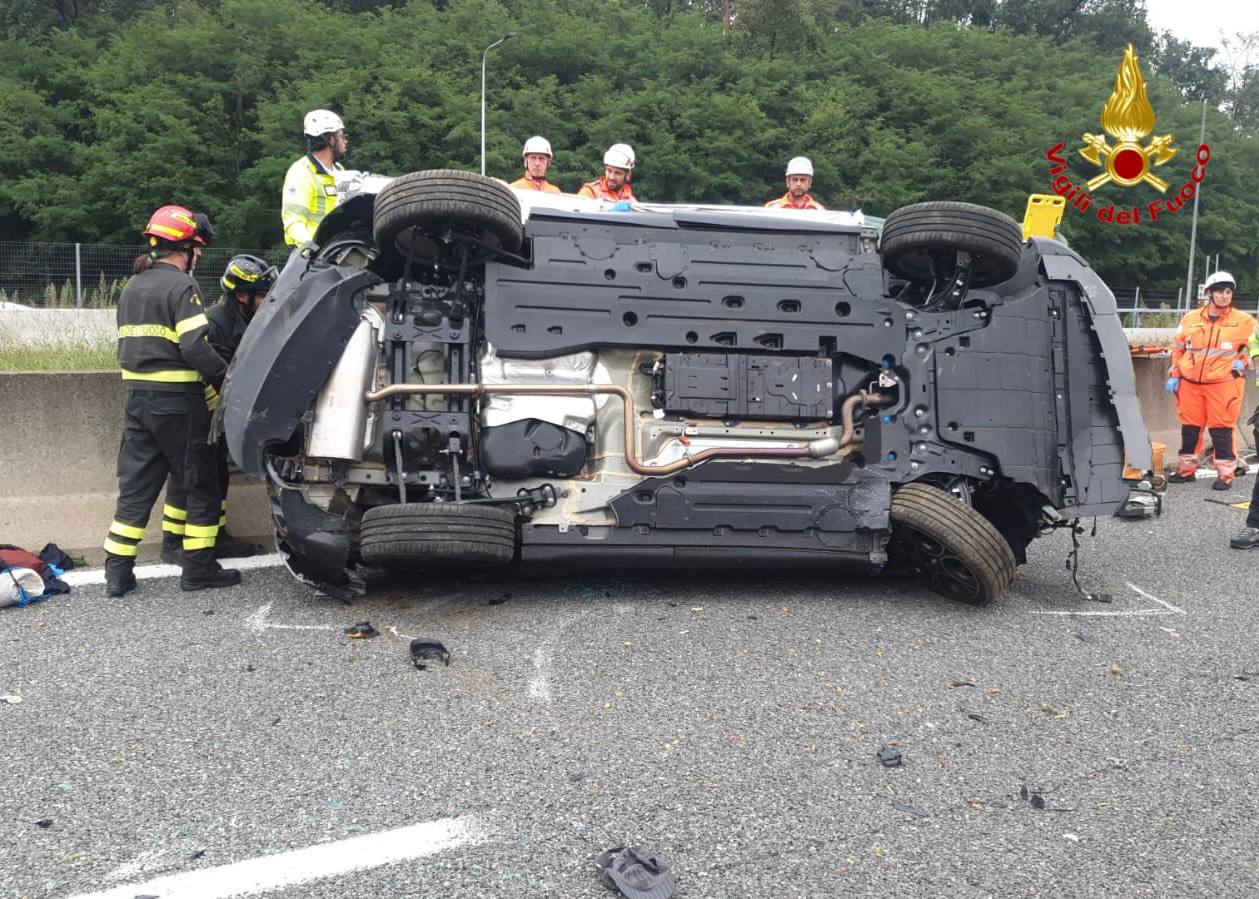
<point>599,190</point>
<point>527,183</point>
<point>785,202</point>
<point>1203,349</point>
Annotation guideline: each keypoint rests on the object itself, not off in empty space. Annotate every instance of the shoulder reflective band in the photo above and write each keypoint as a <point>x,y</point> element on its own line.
<point>191,324</point>
<point>148,331</point>
<point>181,376</point>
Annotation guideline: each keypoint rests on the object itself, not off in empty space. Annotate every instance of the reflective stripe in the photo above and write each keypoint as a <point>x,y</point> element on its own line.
<point>148,331</point>
<point>222,522</point>
<point>175,512</point>
<point>126,530</point>
<point>202,530</point>
<point>211,398</point>
<point>172,527</point>
<point>191,324</point>
<point>173,232</point>
<point>195,543</point>
<point>183,376</point>
<point>121,549</point>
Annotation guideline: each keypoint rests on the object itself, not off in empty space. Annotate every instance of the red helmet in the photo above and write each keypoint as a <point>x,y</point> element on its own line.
<point>179,226</point>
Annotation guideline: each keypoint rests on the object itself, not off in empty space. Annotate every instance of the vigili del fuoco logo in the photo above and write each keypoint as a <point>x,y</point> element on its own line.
<point>1128,118</point>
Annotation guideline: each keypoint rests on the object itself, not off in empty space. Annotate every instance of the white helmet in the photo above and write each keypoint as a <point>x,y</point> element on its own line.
<point>800,165</point>
<point>1220,279</point>
<point>619,156</point>
<point>537,144</point>
<point>321,121</point>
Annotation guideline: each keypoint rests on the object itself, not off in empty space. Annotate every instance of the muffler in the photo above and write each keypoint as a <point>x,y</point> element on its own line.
<point>339,428</point>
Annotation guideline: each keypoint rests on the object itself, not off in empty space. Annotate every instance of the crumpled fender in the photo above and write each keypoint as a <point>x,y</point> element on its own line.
<point>288,352</point>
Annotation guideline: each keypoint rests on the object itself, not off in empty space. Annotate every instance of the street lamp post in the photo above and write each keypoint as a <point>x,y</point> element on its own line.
<point>485,56</point>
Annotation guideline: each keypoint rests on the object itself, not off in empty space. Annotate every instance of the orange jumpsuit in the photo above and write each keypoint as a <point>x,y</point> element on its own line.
<point>527,183</point>
<point>785,202</point>
<point>599,190</point>
<point>1211,390</point>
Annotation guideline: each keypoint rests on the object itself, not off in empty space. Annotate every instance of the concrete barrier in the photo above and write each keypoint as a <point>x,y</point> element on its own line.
<point>59,436</point>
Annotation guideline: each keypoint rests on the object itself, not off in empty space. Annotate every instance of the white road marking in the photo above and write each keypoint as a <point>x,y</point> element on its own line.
<point>1166,605</point>
<point>147,572</point>
<point>1168,608</point>
<point>284,869</point>
<point>257,622</point>
<point>539,684</point>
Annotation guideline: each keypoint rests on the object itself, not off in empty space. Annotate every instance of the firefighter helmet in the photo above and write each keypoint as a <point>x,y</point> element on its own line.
<point>248,274</point>
<point>178,226</point>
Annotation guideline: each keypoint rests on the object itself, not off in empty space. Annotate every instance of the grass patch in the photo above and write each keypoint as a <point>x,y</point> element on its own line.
<point>93,356</point>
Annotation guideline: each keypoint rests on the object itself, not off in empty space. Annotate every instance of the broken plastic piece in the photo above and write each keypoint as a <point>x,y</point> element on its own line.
<point>909,809</point>
<point>361,630</point>
<point>889,757</point>
<point>635,873</point>
<point>423,649</point>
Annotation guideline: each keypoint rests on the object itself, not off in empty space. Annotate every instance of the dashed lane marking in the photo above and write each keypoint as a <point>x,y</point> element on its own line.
<point>148,572</point>
<point>286,869</point>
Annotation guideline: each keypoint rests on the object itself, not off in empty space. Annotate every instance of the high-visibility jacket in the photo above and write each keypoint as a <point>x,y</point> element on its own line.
<point>786,202</point>
<point>599,190</point>
<point>162,334</point>
<point>527,183</point>
<point>1253,346</point>
<point>1204,349</point>
<point>310,193</point>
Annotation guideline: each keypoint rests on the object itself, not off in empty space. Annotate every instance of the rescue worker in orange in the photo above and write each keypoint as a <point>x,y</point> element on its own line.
<point>1207,377</point>
<point>537,157</point>
<point>799,181</point>
<point>618,167</point>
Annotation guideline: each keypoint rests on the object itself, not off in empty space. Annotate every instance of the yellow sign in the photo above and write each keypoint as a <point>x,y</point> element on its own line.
<point>1127,117</point>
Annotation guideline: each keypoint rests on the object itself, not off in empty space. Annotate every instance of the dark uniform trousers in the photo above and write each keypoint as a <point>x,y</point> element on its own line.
<point>164,439</point>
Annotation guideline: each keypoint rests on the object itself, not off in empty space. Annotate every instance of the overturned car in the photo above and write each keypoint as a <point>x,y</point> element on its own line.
<point>445,382</point>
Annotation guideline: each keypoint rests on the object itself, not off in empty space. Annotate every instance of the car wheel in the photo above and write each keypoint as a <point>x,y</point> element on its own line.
<point>410,210</point>
<point>437,534</point>
<point>921,242</point>
<point>937,537</point>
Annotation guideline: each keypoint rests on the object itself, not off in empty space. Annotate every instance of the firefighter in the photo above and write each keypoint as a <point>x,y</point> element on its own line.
<point>537,157</point>
<point>166,364</point>
<point>1248,538</point>
<point>618,167</point>
<point>799,180</point>
<point>310,186</point>
<point>1207,377</point>
<point>245,282</point>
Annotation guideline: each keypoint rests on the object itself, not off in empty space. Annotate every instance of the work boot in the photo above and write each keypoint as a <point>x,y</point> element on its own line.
<point>1247,539</point>
<point>202,571</point>
<point>1222,484</point>
<point>1181,477</point>
<point>227,546</point>
<point>172,549</point>
<point>120,579</point>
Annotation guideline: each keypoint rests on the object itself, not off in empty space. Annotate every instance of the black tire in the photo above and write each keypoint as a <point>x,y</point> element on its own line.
<point>410,209</point>
<point>438,534</point>
<point>922,241</point>
<point>937,537</point>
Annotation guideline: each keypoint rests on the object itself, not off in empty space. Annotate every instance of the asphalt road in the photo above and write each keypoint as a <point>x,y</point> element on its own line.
<point>731,726</point>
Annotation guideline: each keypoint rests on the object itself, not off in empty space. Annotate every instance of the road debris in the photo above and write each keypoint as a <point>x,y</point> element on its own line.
<point>889,757</point>
<point>361,630</point>
<point>909,809</point>
<point>423,649</point>
<point>44,823</point>
<point>14,699</point>
<point>635,873</point>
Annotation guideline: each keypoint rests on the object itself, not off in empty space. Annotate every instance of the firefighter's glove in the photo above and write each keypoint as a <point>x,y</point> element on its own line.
<point>1172,385</point>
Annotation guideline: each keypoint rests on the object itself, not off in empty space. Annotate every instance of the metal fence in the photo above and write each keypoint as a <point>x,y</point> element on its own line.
<point>87,275</point>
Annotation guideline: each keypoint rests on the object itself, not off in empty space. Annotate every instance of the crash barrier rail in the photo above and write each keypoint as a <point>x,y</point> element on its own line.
<point>88,275</point>
<point>63,490</point>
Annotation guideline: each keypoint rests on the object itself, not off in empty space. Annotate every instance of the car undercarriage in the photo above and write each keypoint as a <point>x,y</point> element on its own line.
<point>445,383</point>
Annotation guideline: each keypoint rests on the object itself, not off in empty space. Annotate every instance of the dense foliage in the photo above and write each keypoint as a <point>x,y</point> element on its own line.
<point>112,107</point>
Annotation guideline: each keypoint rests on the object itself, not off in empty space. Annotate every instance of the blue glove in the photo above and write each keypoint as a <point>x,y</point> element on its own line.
<point>1239,366</point>
<point>621,206</point>
<point>1172,385</point>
